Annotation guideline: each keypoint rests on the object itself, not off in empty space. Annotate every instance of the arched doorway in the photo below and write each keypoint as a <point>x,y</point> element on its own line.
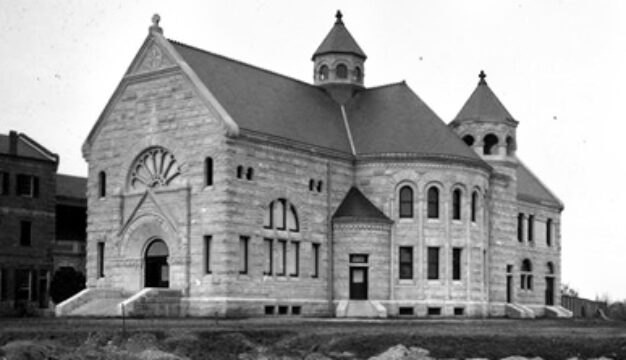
<point>157,270</point>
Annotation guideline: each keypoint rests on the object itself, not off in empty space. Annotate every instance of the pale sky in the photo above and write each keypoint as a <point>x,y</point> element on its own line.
<point>558,67</point>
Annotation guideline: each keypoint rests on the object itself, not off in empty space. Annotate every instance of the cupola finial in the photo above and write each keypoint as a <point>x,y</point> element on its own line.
<point>482,77</point>
<point>155,28</point>
<point>339,15</point>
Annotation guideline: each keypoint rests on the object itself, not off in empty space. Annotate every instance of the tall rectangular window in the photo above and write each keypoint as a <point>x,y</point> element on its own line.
<point>520,227</point>
<point>4,183</point>
<point>100,264</point>
<point>207,253</point>
<point>316,260</point>
<point>25,233</point>
<point>433,263</point>
<point>4,284</point>
<point>531,225</point>
<point>208,171</point>
<point>294,258</point>
<point>282,258</point>
<point>27,185</point>
<point>549,232</point>
<point>456,263</point>
<point>406,262</point>
<point>267,255</point>
<point>243,254</point>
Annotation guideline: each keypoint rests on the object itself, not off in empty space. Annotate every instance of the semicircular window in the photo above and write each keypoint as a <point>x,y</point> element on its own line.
<point>155,167</point>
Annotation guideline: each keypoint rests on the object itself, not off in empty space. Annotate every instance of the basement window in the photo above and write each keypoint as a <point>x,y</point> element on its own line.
<point>406,310</point>
<point>283,310</point>
<point>434,311</point>
<point>269,310</point>
<point>295,310</point>
<point>459,311</point>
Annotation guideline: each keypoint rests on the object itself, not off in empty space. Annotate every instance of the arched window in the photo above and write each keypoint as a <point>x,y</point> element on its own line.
<point>311,185</point>
<point>239,172</point>
<point>474,205</point>
<point>341,71</point>
<point>358,75</point>
<point>406,202</point>
<point>102,184</point>
<point>433,203</point>
<point>323,72</point>
<point>489,144</point>
<point>526,277</point>
<point>208,171</point>
<point>249,173</point>
<point>549,232</point>
<point>510,145</point>
<point>456,204</point>
<point>320,185</point>
<point>469,140</point>
<point>281,216</point>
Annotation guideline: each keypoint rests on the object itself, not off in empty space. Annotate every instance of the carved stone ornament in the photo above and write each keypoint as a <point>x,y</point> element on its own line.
<point>155,167</point>
<point>154,59</point>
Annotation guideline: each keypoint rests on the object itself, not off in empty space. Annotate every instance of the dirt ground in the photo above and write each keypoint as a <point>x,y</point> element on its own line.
<point>225,339</point>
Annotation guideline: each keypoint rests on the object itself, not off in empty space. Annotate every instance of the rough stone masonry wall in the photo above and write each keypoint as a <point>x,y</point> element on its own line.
<point>381,183</point>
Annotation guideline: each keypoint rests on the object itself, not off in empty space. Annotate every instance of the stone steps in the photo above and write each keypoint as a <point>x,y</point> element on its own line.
<point>107,307</point>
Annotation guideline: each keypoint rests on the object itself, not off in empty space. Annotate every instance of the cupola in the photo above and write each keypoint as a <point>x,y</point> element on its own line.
<point>339,60</point>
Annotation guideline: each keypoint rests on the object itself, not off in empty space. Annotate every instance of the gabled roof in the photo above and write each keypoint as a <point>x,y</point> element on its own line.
<point>69,186</point>
<point>484,105</point>
<point>355,206</point>
<point>26,147</point>
<point>393,119</point>
<point>531,189</point>
<point>339,40</point>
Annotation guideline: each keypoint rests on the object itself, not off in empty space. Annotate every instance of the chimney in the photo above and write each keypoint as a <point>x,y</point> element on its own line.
<point>13,142</point>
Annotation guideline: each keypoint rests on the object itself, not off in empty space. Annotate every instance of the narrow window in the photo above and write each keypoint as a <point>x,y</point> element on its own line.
<point>100,264</point>
<point>208,171</point>
<point>243,254</point>
<point>267,222</point>
<point>207,254</point>
<point>25,236</point>
<point>282,259</point>
<point>249,173</point>
<point>341,71</point>
<point>520,227</point>
<point>316,260</point>
<point>278,214</point>
<point>311,185</point>
<point>468,139</point>
<point>239,172</point>
<point>292,219</point>
<point>433,263</point>
<point>102,184</point>
<point>456,204</point>
<point>526,277</point>
<point>267,255</point>
<point>433,203</point>
<point>358,75</point>
<point>4,284</point>
<point>4,183</point>
<point>34,295</point>
<point>320,186</point>
<point>294,259</point>
<point>549,232</point>
<point>510,145</point>
<point>490,143</point>
<point>406,202</point>
<point>406,262</point>
<point>474,205</point>
<point>531,225</point>
<point>456,263</point>
<point>323,72</point>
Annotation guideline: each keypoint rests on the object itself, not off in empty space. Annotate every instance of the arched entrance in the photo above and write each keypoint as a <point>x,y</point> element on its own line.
<point>157,270</point>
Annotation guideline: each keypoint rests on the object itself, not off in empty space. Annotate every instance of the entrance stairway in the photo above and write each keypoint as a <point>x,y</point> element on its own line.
<point>518,311</point>
<point>558,312</point>
<point>360,309</point>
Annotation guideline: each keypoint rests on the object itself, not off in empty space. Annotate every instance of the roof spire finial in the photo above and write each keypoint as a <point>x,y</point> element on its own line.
<point>482,77</point>
<point>339,15</point>
<point>155,28</point>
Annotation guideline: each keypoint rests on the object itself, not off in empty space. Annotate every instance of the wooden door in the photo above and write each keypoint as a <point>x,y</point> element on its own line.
<point>358,283</point>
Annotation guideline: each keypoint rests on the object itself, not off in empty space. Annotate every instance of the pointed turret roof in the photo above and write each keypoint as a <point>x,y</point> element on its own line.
<point>355,206</point>
<point>339,41</point>
<point>484,105</point>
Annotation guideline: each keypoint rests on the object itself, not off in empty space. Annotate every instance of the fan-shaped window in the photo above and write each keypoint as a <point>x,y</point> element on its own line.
<point>456,204</point>
<point>526,277</point>
<point>155,167</point>
<point>469,140</point>
<point>281,216</point>
<point>510,145</point>
<point>474,205</point>
<point>406,202</point>
<point>433,203</point>
<point>341,71</point>
<point>550,267</point>
<point>489,144</point>
<point>102,184</point>
<point>358,75</point>
<point>323,72</point>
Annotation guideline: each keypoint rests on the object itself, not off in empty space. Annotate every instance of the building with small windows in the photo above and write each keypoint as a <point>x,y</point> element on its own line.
<point>42,223</point>
<point>217,188</point>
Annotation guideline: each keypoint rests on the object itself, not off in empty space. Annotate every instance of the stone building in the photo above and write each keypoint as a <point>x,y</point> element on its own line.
<point>31,196</point>
<point>217,188</point>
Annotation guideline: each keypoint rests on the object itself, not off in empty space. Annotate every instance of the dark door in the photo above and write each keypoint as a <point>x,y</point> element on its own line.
<point>157,272</point>
<point>549,291</point>
<point>509,288</point>
<point>358,283</point>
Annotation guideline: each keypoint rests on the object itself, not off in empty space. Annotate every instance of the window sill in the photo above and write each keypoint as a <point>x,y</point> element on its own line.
<point>405,282</point>
<point>406,220</point>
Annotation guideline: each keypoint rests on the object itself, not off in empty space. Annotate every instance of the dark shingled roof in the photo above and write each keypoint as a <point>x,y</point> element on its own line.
<point>71,186</point>
<point>339,40</point>
<point>393,119</point>
<point>27,147</point>
<point>529,188</point>
<point>355,206</point>
<point>483,104</point>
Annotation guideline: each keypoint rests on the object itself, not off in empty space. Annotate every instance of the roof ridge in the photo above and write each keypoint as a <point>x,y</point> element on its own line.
<point>378,87</point>
<point>243,63</point>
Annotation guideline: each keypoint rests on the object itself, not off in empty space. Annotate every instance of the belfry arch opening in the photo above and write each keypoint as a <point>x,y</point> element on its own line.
<point>489,144</point>
<point>156,266</point>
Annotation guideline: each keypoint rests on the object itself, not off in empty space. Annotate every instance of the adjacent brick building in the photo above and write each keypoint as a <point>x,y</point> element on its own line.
<point>219,188</point>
